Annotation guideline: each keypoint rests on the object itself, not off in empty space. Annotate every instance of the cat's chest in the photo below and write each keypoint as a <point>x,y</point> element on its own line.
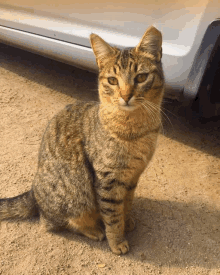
<point>122,156</point>
<point>125,162</point>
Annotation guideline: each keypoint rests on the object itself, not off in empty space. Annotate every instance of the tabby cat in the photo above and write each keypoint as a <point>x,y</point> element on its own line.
<point>92,154</point>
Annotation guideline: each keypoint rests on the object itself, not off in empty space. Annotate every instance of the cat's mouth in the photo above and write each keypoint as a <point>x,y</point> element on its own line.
<point>127,107</point>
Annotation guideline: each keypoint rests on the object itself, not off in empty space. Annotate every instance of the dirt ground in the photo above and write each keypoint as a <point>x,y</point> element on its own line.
<point>177,204</point>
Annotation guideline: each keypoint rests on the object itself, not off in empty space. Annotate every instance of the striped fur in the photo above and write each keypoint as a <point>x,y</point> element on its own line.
<point>92,154</point>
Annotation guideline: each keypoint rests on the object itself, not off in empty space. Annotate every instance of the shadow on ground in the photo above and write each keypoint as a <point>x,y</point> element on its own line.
<point>200,133</point>
<point>170,234</point>
<point>55,75</point>
<point>176,234</point>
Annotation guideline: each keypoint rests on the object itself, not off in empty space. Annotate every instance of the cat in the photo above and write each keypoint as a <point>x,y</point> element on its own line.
<point>93,153</point>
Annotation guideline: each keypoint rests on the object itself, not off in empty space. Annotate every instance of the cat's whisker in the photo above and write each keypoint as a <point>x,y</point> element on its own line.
<point>167,109</point>
<point>153,110</point>
<point>164,115</point>
<point>157,108</point>
<point>152,113</point>
<point>156,119</point>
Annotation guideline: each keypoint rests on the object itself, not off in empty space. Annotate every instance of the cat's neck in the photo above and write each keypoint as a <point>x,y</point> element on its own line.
<point>128,125</point>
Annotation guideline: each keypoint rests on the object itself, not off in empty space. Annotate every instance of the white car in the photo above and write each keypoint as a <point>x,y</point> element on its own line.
<point>60,30</point>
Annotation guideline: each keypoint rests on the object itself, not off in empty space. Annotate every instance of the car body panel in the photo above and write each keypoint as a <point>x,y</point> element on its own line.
<point>61,30</point>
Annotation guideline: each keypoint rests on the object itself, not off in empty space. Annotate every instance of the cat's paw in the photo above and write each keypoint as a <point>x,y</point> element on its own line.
<point>120,248</point>
<point>129,224</point>
<point>96,234</point>
<point>100,235</point>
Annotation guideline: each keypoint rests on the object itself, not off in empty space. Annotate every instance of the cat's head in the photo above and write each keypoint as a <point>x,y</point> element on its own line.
<point>130,78</point>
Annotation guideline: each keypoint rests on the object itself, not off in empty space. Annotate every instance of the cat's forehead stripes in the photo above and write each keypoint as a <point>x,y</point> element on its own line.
<point>135,67</point>
<point>127,62</point>
<point>124,60</point>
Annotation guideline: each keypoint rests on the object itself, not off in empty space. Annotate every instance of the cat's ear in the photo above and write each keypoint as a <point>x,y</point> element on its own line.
<point>151,43</point>
<point>101,49</point>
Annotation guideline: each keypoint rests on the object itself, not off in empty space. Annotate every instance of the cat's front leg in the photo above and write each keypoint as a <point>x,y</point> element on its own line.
<point>129,221</point>
<point>112,212</point>
<point>111,200</point>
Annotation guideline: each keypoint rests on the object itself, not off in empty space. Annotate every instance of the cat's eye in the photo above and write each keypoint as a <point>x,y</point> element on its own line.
<point>113,80</point>
<point>140,78</point>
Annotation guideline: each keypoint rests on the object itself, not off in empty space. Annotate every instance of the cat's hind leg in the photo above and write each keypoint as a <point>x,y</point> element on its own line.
<point>49,225</point>
<point>87,224</point>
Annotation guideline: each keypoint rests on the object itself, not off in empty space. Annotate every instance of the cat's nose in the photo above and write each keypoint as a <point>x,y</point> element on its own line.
<point>127,97</point>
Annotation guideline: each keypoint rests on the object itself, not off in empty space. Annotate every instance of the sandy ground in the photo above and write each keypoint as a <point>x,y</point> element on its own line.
<point>177,204</point>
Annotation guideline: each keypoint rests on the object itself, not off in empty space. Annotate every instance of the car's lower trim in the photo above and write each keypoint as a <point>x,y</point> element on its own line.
<point>69,53</point>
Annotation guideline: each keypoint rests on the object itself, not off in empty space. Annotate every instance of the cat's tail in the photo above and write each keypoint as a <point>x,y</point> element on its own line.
<point>20,207</point>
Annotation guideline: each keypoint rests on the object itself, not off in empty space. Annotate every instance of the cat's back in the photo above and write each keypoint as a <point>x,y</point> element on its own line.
<point>63,173</point>
<point>64,133</point>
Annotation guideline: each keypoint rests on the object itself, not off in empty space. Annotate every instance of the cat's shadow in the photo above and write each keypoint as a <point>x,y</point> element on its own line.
<point>169,233</point>
<point>175,233</point>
